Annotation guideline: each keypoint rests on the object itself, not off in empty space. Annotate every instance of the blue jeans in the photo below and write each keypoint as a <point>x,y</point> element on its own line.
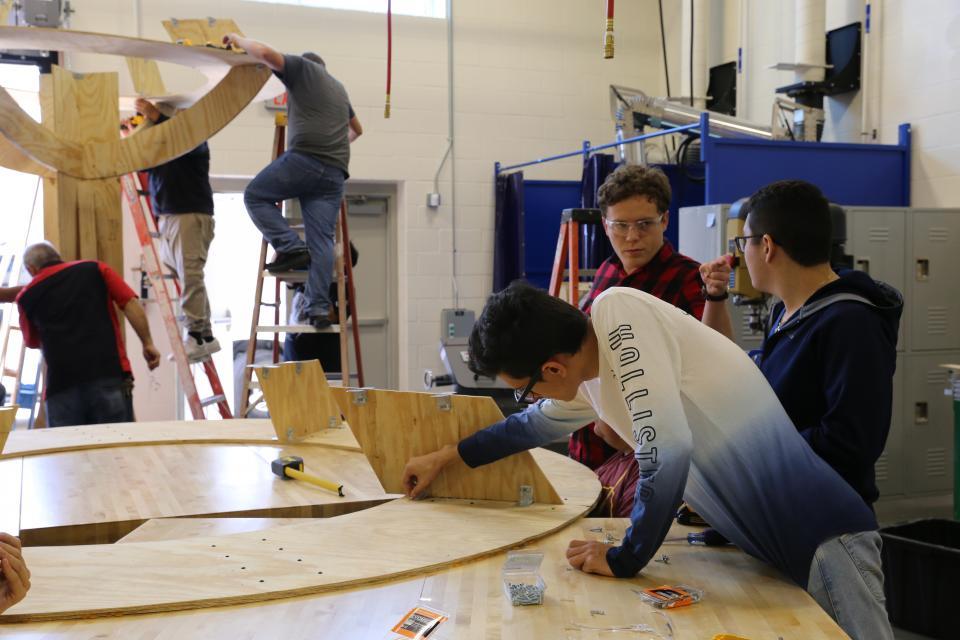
<point>846,580</point>
<point>319,187</point>
<point>95,402</point>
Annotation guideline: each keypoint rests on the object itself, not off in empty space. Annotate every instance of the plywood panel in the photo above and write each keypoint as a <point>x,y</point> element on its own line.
<point>180,528</point>
<point>146,78</point>
<point>101,495</point>
<point>394,426</point>
<point>7,417</point>
<point>743,597</point>
<point>298,398</point>
<point>61,439</point>
<point>200,31</point>
<point>237,79</point>
<point>99,217</point>
<point>11,475</point>
<point>12,157</point>
<point>299,559</point>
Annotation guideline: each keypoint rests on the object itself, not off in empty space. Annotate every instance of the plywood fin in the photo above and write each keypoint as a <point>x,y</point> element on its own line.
<point>298,398</point>
<point>7,416</point>
<point>394,426</point>
<point>200,31</point>
<point>145,74</point>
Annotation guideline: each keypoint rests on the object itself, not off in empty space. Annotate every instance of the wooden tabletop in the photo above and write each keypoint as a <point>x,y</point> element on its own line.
<point>741,596</point>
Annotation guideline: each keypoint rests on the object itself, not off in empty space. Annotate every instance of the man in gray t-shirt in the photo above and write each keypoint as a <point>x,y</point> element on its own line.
<point>321,126</point>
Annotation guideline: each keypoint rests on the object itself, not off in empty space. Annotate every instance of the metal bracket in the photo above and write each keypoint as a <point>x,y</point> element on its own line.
<point>526,495</point>
<point>211,21</point>
<point>297,367</point>
<point>334,422</point>
<point>358,396</point>
<point>289,433</point>
<point>444,401</point>
<point>263,372</point>
<point>174,22</point>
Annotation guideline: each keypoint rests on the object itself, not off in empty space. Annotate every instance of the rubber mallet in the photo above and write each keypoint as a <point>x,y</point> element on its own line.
<point>291,468</point>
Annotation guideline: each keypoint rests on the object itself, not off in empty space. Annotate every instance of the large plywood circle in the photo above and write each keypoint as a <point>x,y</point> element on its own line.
<point>390,541</point>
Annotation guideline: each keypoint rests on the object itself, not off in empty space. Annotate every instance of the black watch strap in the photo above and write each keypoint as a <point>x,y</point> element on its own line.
<point>711,298</point>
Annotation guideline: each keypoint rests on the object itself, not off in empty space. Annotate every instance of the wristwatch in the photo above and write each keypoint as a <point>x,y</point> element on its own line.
<point>712,298</point>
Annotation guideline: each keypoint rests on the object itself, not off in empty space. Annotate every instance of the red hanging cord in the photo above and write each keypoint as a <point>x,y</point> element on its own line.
<point>386,107</point>
<point>608,34</point>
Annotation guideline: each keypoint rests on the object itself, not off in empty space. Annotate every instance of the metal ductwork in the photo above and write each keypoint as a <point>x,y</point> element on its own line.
<point>632,107</point>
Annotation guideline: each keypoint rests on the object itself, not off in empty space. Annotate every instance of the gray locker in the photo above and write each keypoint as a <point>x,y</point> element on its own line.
<point>933,269</point>
<point>927,416</point>
<point>889,467</point>
<point>875,239</point>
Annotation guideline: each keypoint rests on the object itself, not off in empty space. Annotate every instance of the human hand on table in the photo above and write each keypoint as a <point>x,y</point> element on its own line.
<point>589,556</point>
<point>15,581</point>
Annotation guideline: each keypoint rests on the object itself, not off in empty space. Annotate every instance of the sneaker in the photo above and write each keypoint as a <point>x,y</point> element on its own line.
<point>289,261</point>
<point>195,348</point>
<point>211,345</point>
<point>320,322</point>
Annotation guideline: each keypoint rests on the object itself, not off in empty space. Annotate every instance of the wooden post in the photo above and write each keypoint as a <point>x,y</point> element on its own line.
<point>83,217</point>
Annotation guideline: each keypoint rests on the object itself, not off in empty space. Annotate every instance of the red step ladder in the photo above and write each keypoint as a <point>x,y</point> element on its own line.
<point>568,252</point>
<point>134,187</point>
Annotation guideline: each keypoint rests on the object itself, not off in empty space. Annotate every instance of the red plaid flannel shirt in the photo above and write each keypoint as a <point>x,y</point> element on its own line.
<point>670,276</point>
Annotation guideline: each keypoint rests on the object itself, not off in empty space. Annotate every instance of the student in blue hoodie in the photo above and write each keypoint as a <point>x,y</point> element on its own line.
<point>830,352</point>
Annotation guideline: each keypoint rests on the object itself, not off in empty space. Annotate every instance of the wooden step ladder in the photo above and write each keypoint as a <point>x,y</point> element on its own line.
<point>345,291</point>
<point>135,191</point>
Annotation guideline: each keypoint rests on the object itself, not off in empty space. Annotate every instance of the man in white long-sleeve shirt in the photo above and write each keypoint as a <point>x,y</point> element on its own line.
<point>706,428</point>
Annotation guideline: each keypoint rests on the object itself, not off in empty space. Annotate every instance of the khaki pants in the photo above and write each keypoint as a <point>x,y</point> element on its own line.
<point>187,237</point>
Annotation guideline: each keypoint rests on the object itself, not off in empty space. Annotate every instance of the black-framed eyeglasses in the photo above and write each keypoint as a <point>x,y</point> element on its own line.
<point>740,242</point>
<point>520,395</point>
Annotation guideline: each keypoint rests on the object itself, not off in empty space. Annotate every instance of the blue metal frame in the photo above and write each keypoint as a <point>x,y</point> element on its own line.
<point>848,174</point>
<point>851,174</point>
<point>587,149</point>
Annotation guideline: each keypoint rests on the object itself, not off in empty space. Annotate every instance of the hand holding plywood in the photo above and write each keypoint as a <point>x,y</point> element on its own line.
<point>200,32</point>
<point>299,399</point>
<point>7,416</point>
<point>394,426</point>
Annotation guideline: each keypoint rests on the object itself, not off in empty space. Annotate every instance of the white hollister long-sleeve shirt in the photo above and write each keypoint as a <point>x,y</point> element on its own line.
<point>706,427</point>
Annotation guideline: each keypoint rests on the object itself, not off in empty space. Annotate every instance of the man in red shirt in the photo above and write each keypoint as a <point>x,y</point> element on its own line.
<point>67,311</point>
<point>635,201</point>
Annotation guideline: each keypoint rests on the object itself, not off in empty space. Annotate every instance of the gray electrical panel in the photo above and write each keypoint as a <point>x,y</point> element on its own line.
<point>914,250</point>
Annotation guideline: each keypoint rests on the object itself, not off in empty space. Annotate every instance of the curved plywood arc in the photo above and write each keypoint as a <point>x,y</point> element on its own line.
<point>391,541</point>
<point>204,59</point>
<point>69,499</point>
<point>13,157</point>
<point>149,148</point>
<point>32,148</point>
<point>36,442</point>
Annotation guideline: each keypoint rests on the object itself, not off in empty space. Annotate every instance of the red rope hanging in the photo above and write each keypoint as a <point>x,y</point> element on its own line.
<point>386,107</point>
<point>608,34</point>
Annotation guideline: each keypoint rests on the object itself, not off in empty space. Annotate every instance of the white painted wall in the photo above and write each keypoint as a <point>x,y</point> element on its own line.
<point>912,76</point>
<point>530,81</point>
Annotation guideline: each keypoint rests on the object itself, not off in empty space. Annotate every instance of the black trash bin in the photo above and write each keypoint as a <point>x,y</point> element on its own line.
<point>921,566</point>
